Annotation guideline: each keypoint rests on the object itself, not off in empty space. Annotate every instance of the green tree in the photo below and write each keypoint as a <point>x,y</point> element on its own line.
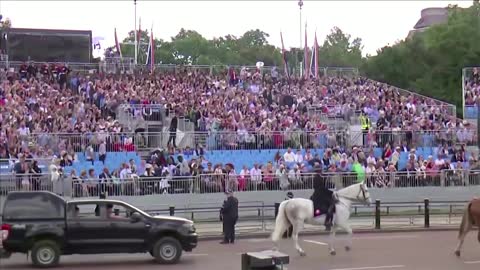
<point>339,50</point>
<point>431,62</point>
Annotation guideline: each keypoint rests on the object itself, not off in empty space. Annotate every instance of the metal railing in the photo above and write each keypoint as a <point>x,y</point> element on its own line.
<point>450,109</point>
<point>321,139</point>
<point>249,140</point>
<point>78,142</point>
<point>218,183</point>
<point>8,165</point>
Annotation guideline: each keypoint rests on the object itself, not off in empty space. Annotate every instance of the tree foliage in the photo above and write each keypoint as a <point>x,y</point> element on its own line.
<point>190,47</point>
<point>431,62</point>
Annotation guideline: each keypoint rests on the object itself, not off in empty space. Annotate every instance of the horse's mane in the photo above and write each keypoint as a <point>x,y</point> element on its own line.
<point>349,190</point>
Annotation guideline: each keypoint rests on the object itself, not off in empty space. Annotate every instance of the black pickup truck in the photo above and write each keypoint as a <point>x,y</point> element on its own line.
<point>48,226</point>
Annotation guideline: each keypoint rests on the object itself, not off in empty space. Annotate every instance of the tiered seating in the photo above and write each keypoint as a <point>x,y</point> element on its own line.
<point>113,162</point>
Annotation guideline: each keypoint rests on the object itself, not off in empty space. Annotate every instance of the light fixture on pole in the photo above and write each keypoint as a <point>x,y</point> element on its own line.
<point>300,5</point>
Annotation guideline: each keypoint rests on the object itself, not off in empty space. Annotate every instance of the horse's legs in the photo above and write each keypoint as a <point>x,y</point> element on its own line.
<point>460,243</point>
<point>296,229</point>
<point>331,245</point>
<point>349,232</point>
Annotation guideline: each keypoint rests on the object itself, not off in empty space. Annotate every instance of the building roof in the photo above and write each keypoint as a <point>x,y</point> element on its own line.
<point>430,20</point>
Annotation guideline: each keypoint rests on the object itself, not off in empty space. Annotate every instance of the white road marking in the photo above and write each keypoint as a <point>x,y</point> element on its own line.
<point>258,240</point>
<point>472,262</point>
<point>316,242</point>
<point>195,254</point>
<point>385,237</point>
<point>372,267</point>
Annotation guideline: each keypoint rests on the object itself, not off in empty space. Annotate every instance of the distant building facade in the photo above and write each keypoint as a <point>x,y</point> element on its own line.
<point>429,17</point>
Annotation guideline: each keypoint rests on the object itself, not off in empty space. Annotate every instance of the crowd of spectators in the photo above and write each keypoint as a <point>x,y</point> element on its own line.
<point>472,88</point>
<point>55,100</point>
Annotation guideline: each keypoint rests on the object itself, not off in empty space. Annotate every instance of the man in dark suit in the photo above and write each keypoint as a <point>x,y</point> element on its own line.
<point>229,215</point>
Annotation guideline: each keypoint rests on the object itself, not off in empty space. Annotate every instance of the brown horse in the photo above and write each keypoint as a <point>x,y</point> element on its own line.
<point>471,217</point>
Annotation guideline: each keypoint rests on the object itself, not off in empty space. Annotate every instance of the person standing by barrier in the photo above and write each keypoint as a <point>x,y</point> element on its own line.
<point>229,215</point>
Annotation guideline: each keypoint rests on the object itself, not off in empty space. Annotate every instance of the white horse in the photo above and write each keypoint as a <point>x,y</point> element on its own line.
<point>299,211</point>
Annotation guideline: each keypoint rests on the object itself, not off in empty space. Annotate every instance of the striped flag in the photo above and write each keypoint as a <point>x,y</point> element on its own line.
<point>151,53</point>
<point>284,55</point>
<point>315,52</point>
<point>305,56</point>
<point>139,34</point>
<point>117,45</point>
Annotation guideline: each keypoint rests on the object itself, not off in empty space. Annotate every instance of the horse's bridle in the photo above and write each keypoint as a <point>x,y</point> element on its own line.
<point>361,193</point>
<point>362,190</point>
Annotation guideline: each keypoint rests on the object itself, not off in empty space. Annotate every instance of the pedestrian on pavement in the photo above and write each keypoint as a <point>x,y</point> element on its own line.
<point>229,215</point>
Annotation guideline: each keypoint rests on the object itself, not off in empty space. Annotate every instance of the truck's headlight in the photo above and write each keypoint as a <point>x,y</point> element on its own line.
<point>190,227</point>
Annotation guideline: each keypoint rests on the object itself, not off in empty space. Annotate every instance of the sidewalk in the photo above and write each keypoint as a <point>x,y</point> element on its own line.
<point>208,230</point>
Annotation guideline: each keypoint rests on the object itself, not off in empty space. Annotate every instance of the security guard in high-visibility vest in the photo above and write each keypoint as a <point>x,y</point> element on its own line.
<point>365,124</point>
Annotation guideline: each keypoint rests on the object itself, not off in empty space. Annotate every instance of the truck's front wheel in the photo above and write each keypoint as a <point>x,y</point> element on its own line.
<point>167,250</point>
<point>45,253</point>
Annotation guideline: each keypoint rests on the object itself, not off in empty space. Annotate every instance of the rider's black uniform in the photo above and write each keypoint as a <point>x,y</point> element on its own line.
<point>322,199</point>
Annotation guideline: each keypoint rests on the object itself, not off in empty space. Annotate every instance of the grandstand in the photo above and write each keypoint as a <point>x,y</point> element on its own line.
<point>255,125</point>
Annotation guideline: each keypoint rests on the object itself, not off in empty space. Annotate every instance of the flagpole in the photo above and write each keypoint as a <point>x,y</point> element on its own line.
<point>135,31</point>
<point>300,5</point>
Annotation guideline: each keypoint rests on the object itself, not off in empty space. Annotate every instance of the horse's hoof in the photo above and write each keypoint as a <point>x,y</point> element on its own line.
<point>347,248</point>
<point>457,252</point>
<point>333,253</point>
<point>302,253</point>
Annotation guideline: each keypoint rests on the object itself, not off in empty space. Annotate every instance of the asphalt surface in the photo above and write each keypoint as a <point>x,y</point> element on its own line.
<point>377,251</point>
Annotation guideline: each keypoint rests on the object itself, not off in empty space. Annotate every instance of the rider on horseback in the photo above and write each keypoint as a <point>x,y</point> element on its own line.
<point>322,198</point>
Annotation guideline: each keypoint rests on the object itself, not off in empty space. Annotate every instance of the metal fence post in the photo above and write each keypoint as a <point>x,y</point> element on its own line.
<point>171,209</point>
<point>427,213</point>
<point>377,214</point>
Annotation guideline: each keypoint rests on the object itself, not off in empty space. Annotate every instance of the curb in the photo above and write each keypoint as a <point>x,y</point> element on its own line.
<point>319,232</point>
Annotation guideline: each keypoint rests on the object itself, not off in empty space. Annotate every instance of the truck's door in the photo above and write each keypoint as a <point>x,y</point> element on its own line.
<point>85,228</point>
<point>124,233</point>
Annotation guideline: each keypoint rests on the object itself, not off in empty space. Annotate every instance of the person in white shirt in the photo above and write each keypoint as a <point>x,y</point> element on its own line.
<point>298,157</point>
<point>371,159</point>
<point>242,178</point>
<point>439,162</point>
<point>125,173</point>
<point>289,156</point>
<point>294,175</point>
<point>255,176</point>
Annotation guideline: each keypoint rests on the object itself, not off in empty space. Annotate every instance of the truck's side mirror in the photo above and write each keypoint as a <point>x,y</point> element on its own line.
<point>135,217</point>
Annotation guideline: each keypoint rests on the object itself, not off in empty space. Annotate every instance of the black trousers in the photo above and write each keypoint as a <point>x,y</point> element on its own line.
<point>229,230</point>
<point>172,138</point>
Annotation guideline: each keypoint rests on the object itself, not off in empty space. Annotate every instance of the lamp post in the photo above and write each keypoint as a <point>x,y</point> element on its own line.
<point>135,30</point>
<point>300,5</point>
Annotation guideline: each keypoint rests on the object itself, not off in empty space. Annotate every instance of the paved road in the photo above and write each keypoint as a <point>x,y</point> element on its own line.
<point>402,251</point>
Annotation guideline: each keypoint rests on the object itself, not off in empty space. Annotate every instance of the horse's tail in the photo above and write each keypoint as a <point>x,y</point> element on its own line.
<point>281,222</point>
<point>466,221</point>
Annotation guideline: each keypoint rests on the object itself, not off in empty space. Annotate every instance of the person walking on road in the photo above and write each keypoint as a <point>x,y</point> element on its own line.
<point>229,215</point>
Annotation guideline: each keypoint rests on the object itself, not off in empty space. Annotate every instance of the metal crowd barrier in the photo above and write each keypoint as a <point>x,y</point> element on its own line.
<point>321,139</point>
<point>218,183</point>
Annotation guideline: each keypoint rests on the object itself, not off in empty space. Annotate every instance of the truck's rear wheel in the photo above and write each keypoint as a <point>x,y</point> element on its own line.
<point>167,250</point>
<point>45,253</point>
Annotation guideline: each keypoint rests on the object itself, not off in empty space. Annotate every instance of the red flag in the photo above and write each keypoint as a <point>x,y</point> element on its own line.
<point>305,55</point>
<point>152,51</point>
<point>284,54</point>
<point>315,51</point>
<point>139,32</point>
<point>117,45</point>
